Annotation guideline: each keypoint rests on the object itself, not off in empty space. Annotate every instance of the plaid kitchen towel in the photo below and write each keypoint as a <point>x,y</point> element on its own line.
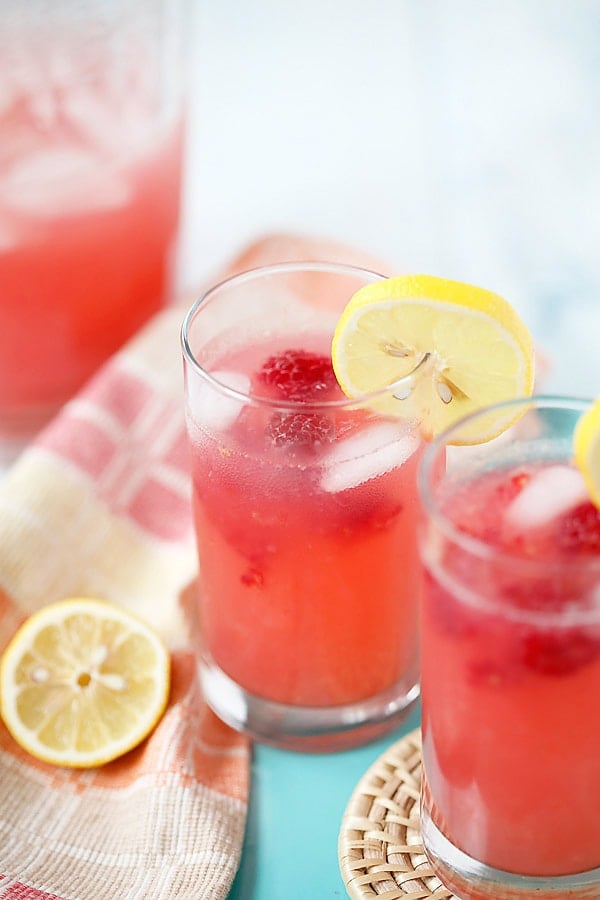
<point>99,506</point>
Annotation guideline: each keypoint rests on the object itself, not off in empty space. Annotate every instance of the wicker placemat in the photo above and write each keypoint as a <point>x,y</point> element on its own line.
<point>380,848</point>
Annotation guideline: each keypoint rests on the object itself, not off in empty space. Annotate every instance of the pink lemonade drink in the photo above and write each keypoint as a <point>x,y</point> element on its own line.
<point>305,508</point>
<point>90,170</point>
<point>511,664</point>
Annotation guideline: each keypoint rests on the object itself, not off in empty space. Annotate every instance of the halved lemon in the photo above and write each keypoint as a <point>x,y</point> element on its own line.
<point>466,346</point>
<point>82,682</point>
<point>586,448</point>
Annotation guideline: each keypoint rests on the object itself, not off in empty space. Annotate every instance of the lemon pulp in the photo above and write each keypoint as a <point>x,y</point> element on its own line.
<point>457,347</point>
<point>82,682</point>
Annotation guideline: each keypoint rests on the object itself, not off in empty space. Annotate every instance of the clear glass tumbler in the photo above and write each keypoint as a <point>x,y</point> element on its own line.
<point>91,116</point>
<point>305,509</point>
<point>511,660</point>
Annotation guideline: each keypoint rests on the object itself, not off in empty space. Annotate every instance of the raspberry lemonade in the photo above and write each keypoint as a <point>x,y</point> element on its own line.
<point>117,252</point>
<point>305,506</point>
<point>511,664</point>
<point>90,167</point>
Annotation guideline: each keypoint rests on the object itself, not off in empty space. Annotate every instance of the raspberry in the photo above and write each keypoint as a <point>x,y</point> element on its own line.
<point>541,594</point>
<point>558,652</point>
<point>298,375</point>
<point>579,530</point>
<point>307,430</point>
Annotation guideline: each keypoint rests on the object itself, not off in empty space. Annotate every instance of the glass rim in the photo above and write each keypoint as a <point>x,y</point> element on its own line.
<point>333,268</point>
<point>473,545</point>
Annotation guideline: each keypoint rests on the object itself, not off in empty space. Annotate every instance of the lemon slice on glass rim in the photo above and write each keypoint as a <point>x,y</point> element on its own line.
<point>586,449</point>
<point>82,682</point>
<point>458,348</point>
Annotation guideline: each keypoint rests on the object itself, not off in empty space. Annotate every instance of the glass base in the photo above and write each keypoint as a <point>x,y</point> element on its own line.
<point>318,729</point>
<point>470,879</point>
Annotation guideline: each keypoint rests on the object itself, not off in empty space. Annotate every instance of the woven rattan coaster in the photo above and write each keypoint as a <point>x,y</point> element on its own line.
<point>380,848</point>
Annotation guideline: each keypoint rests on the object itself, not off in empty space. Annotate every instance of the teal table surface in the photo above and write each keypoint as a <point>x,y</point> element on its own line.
<point>296,806</point>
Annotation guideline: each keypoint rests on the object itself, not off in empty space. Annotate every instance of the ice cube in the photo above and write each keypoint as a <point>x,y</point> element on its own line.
<point>102,123</point>
<point>63,179</point>
<point>366,455</point>
<point>547,495</point>
<point>212,408</point>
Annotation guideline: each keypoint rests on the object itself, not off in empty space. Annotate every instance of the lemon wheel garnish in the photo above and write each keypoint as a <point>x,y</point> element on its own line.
<point>467,347</point>
<point>82,682</point>
<point>586,448</point>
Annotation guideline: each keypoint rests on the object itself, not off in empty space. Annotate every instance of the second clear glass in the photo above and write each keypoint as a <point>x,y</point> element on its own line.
<point>511,660</point>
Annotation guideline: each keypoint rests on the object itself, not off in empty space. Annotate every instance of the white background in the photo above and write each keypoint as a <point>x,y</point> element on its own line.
<point>454,137</point>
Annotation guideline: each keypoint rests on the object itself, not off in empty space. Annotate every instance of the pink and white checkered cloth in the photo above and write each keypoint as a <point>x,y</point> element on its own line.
<point>99,505</point>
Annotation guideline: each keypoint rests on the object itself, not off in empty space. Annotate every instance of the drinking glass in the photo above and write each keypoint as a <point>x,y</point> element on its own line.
<point>90,166</point>
<point>305,510</point>
<point>511,660</point>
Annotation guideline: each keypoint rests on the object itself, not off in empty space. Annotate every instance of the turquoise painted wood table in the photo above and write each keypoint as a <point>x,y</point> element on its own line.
<point>296,806</point>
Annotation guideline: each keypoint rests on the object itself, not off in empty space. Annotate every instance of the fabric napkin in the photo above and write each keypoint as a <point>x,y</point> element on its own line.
<point>99,505</point>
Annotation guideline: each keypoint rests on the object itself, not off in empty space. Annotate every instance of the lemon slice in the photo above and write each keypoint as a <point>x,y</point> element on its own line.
<point>467,346</point>
<point>586,447</point>
<point>82,682</point>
